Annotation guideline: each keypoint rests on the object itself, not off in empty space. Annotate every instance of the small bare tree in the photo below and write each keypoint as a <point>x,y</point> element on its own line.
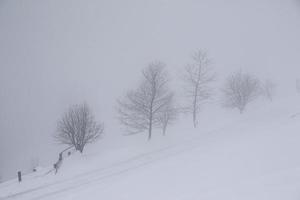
<point>78,127</point>
<point>268,89</point>
<point>239,90</point>
<point>168,115</point>
<point>198,77</point>
<point>141,108</point>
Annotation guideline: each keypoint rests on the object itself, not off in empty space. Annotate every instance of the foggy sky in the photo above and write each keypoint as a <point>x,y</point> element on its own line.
<point>56,53</point>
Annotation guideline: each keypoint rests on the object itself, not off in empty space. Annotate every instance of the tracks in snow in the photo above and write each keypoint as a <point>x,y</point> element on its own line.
<point>100,175</point>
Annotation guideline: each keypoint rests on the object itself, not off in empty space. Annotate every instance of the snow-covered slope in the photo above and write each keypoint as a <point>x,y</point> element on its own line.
<point>56,53</point>
<point>254,156</point>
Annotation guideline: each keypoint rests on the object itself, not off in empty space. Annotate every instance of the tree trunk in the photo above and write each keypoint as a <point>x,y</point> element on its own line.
<point>164,130</point>
<point>195,119</point>
<point>151,118</point>
<point>77,147</point>
<point>150,124</point>
<point>195,106</point>
<point>150,130</point>
<point>242,109</point>
<point>81,149</point>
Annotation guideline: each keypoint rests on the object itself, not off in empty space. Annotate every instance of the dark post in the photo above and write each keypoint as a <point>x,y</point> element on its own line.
<point>19,176</point>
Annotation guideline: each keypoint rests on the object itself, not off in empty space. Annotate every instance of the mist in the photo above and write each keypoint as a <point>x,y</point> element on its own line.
<point>57,53</point>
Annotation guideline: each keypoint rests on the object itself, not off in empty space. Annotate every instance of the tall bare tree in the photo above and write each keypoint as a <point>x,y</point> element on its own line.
<point>78,127</point>
<point>141,108</point>
<point>240,89</point>
<point>198,76</point>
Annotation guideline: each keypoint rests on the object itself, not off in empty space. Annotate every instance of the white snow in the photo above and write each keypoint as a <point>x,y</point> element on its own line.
<point>252,156</point>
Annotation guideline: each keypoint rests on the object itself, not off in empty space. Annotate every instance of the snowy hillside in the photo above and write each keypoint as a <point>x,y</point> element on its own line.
<point>253,156</point>
<point>166,99</point>
<point>56,53</point>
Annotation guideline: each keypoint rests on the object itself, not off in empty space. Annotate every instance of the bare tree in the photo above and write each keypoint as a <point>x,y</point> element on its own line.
<point>239,90</point>
<point>168,115</point>
<point>268,89</point>
<point>141,108</point>
<point>78,127</point>
<point>198,77</point>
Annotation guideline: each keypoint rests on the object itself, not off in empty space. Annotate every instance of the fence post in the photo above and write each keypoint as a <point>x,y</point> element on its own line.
<point>19,176</point>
